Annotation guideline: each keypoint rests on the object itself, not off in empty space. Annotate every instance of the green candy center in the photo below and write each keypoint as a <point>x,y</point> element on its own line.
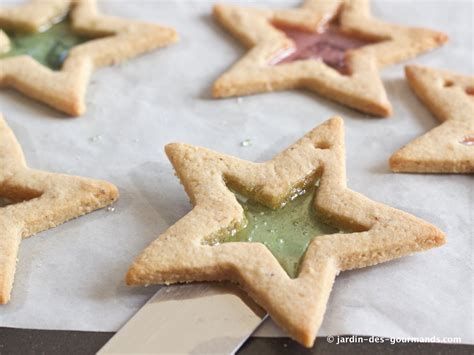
<point>49,48</point>
<point>286,231</point>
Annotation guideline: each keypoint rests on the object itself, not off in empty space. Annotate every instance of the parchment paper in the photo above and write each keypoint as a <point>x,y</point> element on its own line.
<point>71,277</point>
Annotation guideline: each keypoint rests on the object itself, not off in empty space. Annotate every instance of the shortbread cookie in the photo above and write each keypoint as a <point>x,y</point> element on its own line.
<point>448,148</point>
<point>38,201</point>
<point>205,245</point>
<point>332,47</point>
<point>99,41</point>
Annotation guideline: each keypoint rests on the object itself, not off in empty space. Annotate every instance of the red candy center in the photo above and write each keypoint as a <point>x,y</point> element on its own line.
<point>329,45</point>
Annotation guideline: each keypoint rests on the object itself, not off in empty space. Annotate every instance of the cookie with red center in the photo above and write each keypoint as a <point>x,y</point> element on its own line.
<point>333,48</point>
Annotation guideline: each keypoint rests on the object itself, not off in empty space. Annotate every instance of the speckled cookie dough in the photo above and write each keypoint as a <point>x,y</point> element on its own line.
<point>110,41</point>
<point>193,249</point>
<point>37,201</point>
<point>448,148</point>
<point>352,47</point>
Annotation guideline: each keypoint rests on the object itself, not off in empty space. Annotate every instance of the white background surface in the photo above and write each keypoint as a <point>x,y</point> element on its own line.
<point>71,277</point>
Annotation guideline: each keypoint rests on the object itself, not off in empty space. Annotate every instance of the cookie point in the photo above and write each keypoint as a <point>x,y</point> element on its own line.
<point>408,69</point>
<point>105,192</point>
<point>411,73</point>
<point>134,276</point>
<point>306,339</point>
<point>218,89</point>
<point>433,237</point>
<point>76,110</point>
<point>380,109</point>
<point>386,111</point>
<point>411,69</point>
<point>309,343</point>
<point>4,297</point>
<point>130,279</point>
<point>440,237</point>
<point>170,148</point>
<point>336,120</point>
<point>216,8</point>
<point>176,37</point>
<point>112,191</point>
<point>441,37</point>
<point>172,34</point>
<point>394,162</point>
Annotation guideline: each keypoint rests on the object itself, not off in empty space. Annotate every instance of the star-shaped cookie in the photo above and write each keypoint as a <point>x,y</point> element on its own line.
<point>38,201</point>
<point>112,41</point>
<point>359,87</point>
<point>448,148</point>
<point>183,253</point>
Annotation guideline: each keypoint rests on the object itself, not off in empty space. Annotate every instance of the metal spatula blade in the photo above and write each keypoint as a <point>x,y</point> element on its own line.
<point>204,318</point>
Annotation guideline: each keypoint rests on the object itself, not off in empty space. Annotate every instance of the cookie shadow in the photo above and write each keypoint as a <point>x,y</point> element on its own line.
<point>224,37</point>
<point>382,168</point>
<point>33,107</point>
<point>170,203</point>
<point>336,109</point>
<point>129,297</point>
<point>398,89</point>
<point>24,268</point>
<point>159,208</point>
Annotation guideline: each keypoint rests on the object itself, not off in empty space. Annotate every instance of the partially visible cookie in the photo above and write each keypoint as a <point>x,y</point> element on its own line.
<point>112,40</point>
<point>448,148</point>
<point>37,201</point>
<point>33,15</point>
<point>333,48</point>
<point>196,249</point>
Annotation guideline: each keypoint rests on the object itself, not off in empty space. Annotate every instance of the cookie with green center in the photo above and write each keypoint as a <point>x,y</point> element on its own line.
<point>448,148</point>
<point>214,243</point>
<point>49,48</point>
<point>332,47</point>
<point>32,201</point>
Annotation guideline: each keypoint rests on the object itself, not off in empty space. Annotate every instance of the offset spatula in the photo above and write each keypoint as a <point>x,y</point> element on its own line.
<point>203,318</point>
